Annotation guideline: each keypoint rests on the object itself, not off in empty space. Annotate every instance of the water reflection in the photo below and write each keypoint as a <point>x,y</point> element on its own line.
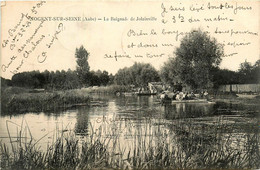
<point>81,126</point>
<point>188,110</point>
<point>195,131</point>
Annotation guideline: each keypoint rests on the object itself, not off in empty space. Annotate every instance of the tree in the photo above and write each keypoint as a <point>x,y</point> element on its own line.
<point>139,75</point>
<point>5,83</point>
<point>170,72</point>
<point>123,77</point>
<point>104,78</point>
<point>225,76</point>
<point>256,71</point>
<point>148,74</point>
<point>82,65</point>
<point>249,73</point>
<point>111,79</point>
<point>71,81</point>
<point>196,59</point>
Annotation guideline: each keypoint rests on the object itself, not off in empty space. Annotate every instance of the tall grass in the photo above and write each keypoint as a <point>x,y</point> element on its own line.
<point>130,145</point>
<point>66,152</point>
<point>45,101</point>
<point>20,100</point>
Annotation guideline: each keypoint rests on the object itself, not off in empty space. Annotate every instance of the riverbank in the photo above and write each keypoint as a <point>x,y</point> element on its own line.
<point>19,100</point>
<point>132,133</point>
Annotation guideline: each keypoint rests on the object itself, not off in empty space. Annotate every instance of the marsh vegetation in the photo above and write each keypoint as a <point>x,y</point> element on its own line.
<point>137,133</point>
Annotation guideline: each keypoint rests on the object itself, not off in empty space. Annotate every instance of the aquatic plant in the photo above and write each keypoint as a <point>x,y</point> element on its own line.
<point>180,144</point>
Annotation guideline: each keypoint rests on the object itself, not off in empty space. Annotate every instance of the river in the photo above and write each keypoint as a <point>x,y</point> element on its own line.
<point>137,119</point>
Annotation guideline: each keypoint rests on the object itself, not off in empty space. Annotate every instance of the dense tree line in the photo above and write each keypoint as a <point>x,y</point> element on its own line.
<point>249,73</point>
<point>58,79</point>
<point>5,82</point>
<point>81,77</point>
<point>195,65</point>
<point>139,75</point>
<point>246,74</point>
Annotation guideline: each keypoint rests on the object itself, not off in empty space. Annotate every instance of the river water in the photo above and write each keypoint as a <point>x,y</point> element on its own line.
<point>133,119</point>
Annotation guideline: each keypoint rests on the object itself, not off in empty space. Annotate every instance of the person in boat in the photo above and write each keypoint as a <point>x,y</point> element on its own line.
<point>206,95</point>
<point>185,96</point>
<point>192,96</point>
<point>179,96</point>
<point>174,95</point>
<point>163,97</point>
<point>201,94</point>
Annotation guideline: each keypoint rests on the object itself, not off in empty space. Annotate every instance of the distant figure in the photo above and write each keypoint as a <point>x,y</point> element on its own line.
<point>185,96</point>
<point>174,95</point>
<point>163,97</point>
<point>201,94</point>
<point>206,95</point>
<point>179,96</point>
<point>192,95</point>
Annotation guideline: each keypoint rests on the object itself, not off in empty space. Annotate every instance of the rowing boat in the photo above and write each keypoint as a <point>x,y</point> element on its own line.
<point>191,101</point>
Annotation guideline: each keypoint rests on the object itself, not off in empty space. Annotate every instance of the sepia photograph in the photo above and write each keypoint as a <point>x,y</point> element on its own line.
<point>130,84</point>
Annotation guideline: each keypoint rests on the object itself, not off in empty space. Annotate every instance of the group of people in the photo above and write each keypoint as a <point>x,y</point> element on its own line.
<point>179,95</point>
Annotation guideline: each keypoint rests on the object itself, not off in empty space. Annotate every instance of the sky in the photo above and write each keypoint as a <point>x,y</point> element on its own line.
<point>109,28</point>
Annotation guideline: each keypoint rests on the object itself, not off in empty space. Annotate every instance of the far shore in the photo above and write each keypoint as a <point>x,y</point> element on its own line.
<point>22,100</point>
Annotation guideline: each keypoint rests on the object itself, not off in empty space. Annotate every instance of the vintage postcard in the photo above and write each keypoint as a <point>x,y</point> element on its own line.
<point>130,84</point>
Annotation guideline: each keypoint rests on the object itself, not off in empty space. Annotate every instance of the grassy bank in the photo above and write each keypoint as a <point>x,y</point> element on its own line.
<point>151,147</point>
<point>19,100</point>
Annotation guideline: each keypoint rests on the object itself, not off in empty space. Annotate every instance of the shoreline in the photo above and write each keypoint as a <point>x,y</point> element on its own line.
<point>20,100</point>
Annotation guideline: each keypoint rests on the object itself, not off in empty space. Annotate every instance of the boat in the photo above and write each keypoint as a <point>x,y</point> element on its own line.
<point>191,101</point>
<point>247,95</point>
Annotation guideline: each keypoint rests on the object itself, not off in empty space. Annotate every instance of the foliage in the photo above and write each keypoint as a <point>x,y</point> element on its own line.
<point>246,74</point>
<point>249,73</point>
<point>224,76</point>
<point>139,75</point>
<point>56,80</point>
<point>196,58</point>
<point>26,101</point>
<point>170,71</point>
<point>48,80</point>
<point>82,64</point>
<point>98,78</point>
<point>5,82</point>
<point>31,79</point>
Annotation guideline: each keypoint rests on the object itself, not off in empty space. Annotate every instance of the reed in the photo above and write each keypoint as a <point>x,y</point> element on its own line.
<point>44,101</point>
<point>158,145</point>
